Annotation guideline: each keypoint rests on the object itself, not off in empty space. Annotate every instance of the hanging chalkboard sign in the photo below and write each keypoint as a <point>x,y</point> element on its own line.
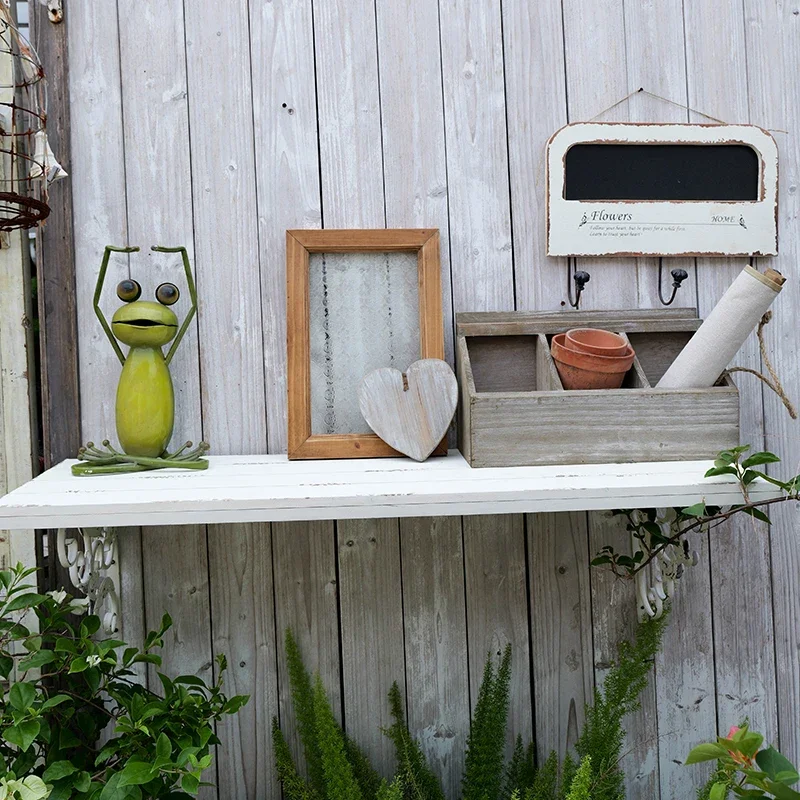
<point>639,189</point>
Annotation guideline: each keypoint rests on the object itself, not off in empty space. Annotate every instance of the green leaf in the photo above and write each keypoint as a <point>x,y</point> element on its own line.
<point>760,458</point>
<point>190,680</point>
<point>22,695</point>
<point>128,655</point>
<point>37,660</point>
<point>718,791</point>
<point>163,746</point>
<point>90,625</point>
<point>6,665</point>
<point>83,782</point>
<point>113,791</point>
<point>600,560</point>
<point>773,763</point>
<point>720,471</point>
<point>147,658</point>
<point>23,601</point>
<point>54,701</point>
<point>23,734</point>
<point>190,784</point>
<point>78,665</point>
<point>136,772</point>
<point>782,791</point>
<point>58,770</point>
<point>758,514</point>
<point>706,752</point>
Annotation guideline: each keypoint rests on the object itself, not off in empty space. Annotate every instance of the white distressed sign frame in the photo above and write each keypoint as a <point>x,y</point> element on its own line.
<point>659,227</point>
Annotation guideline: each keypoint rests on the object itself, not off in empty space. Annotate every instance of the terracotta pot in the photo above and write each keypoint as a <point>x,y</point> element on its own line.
<point>589,371</point>
<point>597,341</point>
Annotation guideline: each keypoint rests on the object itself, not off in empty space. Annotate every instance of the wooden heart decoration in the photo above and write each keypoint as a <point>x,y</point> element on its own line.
<point>410,413</point>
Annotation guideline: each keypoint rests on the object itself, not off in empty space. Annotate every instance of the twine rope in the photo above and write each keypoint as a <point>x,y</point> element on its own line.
<point>774,384</point>
<point>684,106</point>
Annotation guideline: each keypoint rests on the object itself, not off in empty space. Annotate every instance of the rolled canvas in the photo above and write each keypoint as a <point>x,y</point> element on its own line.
<point>716,342</point>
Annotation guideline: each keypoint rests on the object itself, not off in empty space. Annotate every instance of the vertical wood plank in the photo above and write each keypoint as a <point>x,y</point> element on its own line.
<point>655,55</point>
<point>351,154</point>
<point>177,583</point>
<point>55,241</point>
<point>240,564</point>
<point>740,553</point>
<point>594,41</point>
<point>533,40</point>
<point>287,171</point>
<point>434,618</point>
<point>477,155</point>
<point>412,117</point>
<point>225,218</point>
<point>614,619</point>
<point>561,628</point>
<point>773,64</point>
<point>497,610</point>
<point>684,706</point>
<point>306,600</point>
<point>372,632</point>
<point>156,149</point>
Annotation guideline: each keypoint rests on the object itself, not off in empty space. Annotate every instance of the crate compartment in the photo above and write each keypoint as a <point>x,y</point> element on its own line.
<point>515,412</point>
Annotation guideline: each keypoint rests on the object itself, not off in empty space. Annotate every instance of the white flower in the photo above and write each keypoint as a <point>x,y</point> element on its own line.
<point>92,661</point>
<point>79,606</point>
<point>59,596</point>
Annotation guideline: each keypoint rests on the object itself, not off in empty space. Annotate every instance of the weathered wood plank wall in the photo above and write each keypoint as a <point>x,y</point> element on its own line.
<point>219,131</point>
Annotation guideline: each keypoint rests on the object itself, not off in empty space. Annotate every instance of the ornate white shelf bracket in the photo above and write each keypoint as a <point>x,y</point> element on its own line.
<point>89,554</point>
<point>658,582</point>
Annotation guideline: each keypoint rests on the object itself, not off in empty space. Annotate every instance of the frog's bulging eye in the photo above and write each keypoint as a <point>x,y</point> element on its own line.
<point>128,290</point>
<point>167,294</point>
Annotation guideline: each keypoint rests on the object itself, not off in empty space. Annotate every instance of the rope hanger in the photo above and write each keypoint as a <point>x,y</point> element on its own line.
<point>642,90</point>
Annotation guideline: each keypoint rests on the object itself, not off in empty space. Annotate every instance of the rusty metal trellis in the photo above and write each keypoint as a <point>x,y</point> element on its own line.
<point>27,164</point>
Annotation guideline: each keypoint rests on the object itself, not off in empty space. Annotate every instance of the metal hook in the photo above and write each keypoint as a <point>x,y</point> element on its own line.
<point>581,279</point>
<point>678,277</point>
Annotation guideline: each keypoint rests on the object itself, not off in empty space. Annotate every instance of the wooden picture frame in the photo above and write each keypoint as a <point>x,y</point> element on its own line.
<point>300,244</point>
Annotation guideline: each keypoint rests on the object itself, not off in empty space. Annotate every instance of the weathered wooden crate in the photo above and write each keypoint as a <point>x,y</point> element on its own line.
<point>515,412</point>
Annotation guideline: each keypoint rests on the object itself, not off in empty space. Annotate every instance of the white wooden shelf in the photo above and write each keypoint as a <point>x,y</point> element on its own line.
<point>272,488</point>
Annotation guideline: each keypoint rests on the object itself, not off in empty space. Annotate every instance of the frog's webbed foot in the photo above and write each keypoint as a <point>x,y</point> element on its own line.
<point>109,461</point>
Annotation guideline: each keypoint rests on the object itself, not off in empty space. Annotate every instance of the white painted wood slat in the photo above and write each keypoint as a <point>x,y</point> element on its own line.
<point>381,489</point>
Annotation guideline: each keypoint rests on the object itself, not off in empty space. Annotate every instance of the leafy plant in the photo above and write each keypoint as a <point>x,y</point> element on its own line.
<point>746,770</point>
<point>68,688</point>
<point>642,523</point>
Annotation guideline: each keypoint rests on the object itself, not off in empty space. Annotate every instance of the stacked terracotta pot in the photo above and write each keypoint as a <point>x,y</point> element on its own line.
<point>589,358</point>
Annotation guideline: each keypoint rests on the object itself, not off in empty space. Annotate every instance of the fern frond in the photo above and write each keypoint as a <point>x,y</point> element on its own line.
<point>367,779</point>
<point>294,787</point>
<point>303,703</point>
<point>340,782</point>
<point>390,791</point>
<point>568,770</point>
<point>416,777</point>
<point>484,763</point>
<point>582,782</point>
<point>545,783</point>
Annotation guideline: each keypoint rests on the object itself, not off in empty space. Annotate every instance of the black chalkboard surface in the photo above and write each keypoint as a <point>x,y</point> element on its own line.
<point>703,172</point>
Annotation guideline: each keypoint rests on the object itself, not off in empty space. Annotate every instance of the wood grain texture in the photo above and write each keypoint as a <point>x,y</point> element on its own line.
<point>561,628</point>
<point>243,628</point>
<point>410,410</point>
<point>306,600</point>
<point>774,100</point>
<point>56,254</point>
<point>533,39</point>
<point>497,611</point>
<point>371,623</point>
<point>225,209</point>
<point>744,639</point>
<point>287,172</point>
<point>477,155</point>
<point>435,628</point>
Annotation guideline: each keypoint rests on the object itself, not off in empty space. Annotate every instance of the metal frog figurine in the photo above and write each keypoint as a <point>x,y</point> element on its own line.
<point>145,408</point>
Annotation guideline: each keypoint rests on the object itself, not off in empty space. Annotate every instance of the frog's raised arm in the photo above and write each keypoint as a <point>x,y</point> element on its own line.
<point>192,293</point>
<point>99,290</point>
